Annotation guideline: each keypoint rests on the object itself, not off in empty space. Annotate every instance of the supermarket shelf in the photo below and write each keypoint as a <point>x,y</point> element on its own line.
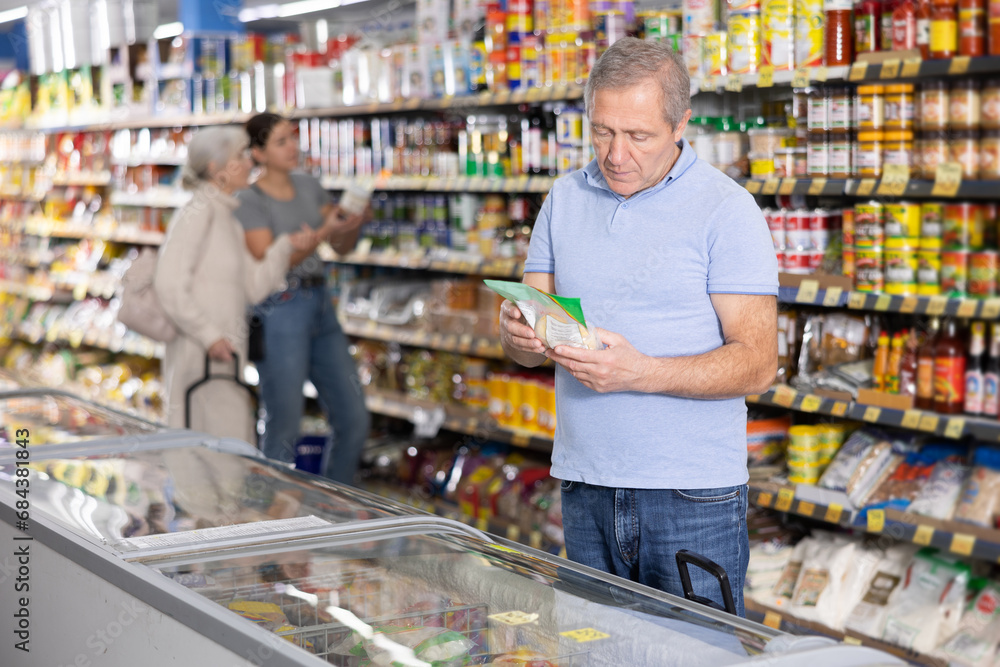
<point>545,94</point>
<point>458,419</point>
<point>737,82</point>
<point>84,178</point>
<point>495,525</point>
<point>925,69</point>
<point>33,292</point>
<point>859,187</point>
<point>808,294</point>
<point>498,268</point>
<point>464,344</point>
<point>165,198</point>
<point>142,160</point>
<point>133,345</point>
<point>781,621</point>
<point>46,228</point>
<point>530,184</point>
<point>931,423</point>
<point>20,195</point>
<point>961,539</point>
<point>463,102</point>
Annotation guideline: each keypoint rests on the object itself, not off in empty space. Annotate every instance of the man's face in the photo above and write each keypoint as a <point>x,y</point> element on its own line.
<point>635,146</point>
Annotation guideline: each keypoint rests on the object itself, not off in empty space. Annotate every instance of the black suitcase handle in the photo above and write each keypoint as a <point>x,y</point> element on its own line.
<point>208,377</point>
<point>683,558</point>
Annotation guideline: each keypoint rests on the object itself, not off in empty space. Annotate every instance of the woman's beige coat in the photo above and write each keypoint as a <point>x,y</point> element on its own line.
<point>205,279</point>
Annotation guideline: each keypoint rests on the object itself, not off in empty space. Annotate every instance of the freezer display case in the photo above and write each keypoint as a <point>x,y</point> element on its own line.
<point>198,555</point>
<point>52,417</point>
<point>132,500</point>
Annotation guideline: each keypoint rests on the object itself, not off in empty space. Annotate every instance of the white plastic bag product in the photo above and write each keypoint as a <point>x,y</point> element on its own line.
<point>928,605</point>
<point>869,614</point>
<point>781,594</point>
<point>863,566</point>
<point>844,465</point>
<point>940,494</point>
<point>821,581</point>
<point>976,642</point>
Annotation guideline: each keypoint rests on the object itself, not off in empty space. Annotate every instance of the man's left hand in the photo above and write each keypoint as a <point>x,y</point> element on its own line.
<point>618,367</point>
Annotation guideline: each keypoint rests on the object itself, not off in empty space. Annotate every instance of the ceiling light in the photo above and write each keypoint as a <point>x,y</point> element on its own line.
<point>290,9</point>
<point>168,30</point>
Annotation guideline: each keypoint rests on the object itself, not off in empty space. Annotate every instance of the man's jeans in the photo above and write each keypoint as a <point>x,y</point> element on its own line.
<point>635,533</point>
<point>302,339</point>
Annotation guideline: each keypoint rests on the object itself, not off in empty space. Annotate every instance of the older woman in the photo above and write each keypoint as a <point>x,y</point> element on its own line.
<point>206,279</point>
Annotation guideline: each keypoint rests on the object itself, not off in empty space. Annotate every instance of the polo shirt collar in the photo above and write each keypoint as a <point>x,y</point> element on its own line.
<point>592,172</point>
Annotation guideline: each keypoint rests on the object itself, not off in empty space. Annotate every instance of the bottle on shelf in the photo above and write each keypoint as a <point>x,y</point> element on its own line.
<point>975,370</point>
<point>924,28</point>
<point>972,28</point>
<point>925,367</point>
<point>895,360</point>
<point>944,29</point>
<point>904,26</point>
<point>881,366</point>
<point>949,371</point>
<point>908,365</point>
<point>991,377</point>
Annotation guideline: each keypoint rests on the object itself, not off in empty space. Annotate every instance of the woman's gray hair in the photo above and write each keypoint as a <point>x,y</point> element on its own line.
<point>632,62</point>
<point>211,147</point>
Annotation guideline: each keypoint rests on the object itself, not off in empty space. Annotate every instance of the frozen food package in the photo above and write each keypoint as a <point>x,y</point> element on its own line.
<point>868,616</point>
<point>389,645</point>
<point>939,495</point>
<point>980,500</point>
<point>976,642</point>
<point>821,581</point>
<point>557,320</point>
<point>928,606</point>
<point>856,449</point>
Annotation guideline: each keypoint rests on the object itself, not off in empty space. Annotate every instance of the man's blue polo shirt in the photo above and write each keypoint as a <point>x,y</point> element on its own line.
<point>645,268</point>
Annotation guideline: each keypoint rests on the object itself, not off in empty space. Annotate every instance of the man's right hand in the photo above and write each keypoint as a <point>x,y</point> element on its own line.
<point>515,334</point>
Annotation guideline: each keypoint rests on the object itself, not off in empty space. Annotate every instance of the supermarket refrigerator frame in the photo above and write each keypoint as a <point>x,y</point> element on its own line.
<point>107,607</point>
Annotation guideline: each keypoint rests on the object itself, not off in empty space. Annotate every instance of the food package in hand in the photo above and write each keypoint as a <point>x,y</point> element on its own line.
<point>557,320</point>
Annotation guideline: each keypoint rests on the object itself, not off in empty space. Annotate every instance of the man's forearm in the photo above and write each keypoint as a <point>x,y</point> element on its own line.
<point>730,371</point>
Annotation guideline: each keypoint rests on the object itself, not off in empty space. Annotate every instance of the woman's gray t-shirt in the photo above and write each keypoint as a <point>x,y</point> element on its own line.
<point>258,210</point>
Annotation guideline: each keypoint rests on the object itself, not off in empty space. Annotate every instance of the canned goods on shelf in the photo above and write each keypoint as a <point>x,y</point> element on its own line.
<point>901,272</point>
<point>798,262</point>
<point>983,273</point>
<point>929,272</point>
<point>902,220</point>
<point>868,271</point>
<point>931,225</point>
<point>954,272</point>
<point>962,227</point>
<point>848,261</point>
<point>869,231</point>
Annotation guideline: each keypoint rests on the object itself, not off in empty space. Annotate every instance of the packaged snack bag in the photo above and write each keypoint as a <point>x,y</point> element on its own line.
<point>557,320</point>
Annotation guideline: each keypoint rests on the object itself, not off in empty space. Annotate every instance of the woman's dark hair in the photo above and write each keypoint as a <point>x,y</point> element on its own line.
<point>260,127</point>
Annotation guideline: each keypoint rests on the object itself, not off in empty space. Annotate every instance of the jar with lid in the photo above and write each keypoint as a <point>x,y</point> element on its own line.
<point>933,106</point>
<point>972,27</point>
<point>867,25</point>
<point>819,111</point>
<point>870,107</point>
<point>964,105</point>
<point>841,107</point>
<point>869,154</point>
<point>818,155</point>
<point>841,155</point>
<point>944,29</point>
<point>989,155</point>
<point>989,105</point>
<point>935,150</point>
<point>897,148</point>
<point>900,105</point>
<point>837,33</point>
<point>965,151</point>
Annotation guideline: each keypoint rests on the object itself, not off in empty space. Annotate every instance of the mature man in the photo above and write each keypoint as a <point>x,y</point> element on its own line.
<point>674,261</point>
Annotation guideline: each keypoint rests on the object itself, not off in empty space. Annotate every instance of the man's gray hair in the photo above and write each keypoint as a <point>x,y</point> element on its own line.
<point>632,62</point>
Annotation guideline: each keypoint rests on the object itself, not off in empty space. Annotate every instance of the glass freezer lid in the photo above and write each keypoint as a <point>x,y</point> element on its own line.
<point>126,499</point>
<point>55,419</point>
<point>455,600</point>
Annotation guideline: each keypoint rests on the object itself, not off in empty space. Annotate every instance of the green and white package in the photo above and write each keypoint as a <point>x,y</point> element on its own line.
<point>557,320</point>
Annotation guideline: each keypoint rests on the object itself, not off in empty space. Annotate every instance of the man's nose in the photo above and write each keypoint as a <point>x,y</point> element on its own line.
<point>618,151</point>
